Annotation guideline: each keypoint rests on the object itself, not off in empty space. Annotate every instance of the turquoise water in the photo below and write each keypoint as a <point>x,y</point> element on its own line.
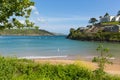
<point>22,46</point>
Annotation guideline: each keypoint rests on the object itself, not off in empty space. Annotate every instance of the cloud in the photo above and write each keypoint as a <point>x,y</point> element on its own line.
<point>36,12</point>
<point>61,28</point>
<point>58,24</point>
<point>33,7</point>
<point>42,20</point>
<point>62,19</point>
<point>54,20</point>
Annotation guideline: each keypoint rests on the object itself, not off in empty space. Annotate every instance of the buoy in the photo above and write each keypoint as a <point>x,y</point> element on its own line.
<point>58,50</point>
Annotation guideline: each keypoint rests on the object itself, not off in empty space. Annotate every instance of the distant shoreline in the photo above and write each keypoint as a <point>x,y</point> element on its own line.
<point>26,35</point>
<point>25,32</point>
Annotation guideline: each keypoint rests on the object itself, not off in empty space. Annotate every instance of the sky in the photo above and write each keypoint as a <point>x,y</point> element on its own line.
<point>59,16</point>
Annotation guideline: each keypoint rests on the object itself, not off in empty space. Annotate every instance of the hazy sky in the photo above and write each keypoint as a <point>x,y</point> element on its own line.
<point>60,15</point>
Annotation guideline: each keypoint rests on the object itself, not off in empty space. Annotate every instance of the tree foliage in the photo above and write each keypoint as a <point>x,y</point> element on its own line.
<point>13,8</point>
<point>106,14</point>
<point>93,20</point>
<point>28,23</point>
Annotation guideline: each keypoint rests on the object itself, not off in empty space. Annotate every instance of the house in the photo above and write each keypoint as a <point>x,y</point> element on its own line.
<point>115,28</point>
<point>108,18</point>
<point>116,18</point>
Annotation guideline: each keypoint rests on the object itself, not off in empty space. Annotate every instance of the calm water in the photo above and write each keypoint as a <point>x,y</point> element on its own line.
<point>50,46</point>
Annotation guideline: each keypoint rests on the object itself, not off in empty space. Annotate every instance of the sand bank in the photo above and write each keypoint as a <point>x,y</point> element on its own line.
<point>112,69</point>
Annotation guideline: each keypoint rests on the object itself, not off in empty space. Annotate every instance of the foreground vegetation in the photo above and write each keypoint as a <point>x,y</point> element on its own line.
<point>32,32</point>
<point>10,10</point>
<point>22,69</point>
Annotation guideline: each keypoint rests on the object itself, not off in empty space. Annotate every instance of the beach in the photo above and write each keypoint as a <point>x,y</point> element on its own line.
<point>111,68</point>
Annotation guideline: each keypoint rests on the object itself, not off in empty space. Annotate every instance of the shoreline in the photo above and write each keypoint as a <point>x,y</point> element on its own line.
<point>84,61</point>
<point>68,57</point>
<point>113,69</point>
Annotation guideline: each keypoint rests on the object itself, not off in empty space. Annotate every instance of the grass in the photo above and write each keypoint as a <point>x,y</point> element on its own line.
<point>110,23</point>
<point>22,69</point>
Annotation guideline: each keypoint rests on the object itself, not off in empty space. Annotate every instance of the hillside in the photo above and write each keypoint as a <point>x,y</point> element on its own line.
<point>96,33</point>
<point>107,28</point>
<point>23,32</point>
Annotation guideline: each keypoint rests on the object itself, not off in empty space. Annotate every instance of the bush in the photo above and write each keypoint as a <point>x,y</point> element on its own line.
<point>22,69</point>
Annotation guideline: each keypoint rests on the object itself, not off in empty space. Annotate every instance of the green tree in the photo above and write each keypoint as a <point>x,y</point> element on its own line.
<point>29,24</point>
<point>93,20</point>
<point>10,8</point>
<point>18,24</point>
<point>8,25</point>
<point>37,27</point>
<point>106,14</point>
<point>72,30</point>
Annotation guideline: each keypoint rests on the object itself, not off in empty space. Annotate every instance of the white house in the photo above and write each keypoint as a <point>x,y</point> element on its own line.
<point>116,18</point>
<point>109,18</point>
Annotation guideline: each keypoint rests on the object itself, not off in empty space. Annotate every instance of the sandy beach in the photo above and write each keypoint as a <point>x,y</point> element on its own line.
<point>111,69</point>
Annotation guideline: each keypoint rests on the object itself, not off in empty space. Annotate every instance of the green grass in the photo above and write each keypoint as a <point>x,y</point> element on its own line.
<point>110,23</point>
<point>22,69</point>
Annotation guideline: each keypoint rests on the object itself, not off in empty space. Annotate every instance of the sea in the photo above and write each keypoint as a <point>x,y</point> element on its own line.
<point>52,47</point>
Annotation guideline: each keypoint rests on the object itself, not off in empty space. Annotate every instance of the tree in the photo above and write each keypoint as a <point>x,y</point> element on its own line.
<point>17,24</point>
<point>37,27</point>
<point>72,30</point>
<point>8,25</point>
<point>106,14</point>
<point>93,20</point>
<point>100,16</point>
<point>10,8</point>
<point>28,23</point>
<point>118,14</point>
